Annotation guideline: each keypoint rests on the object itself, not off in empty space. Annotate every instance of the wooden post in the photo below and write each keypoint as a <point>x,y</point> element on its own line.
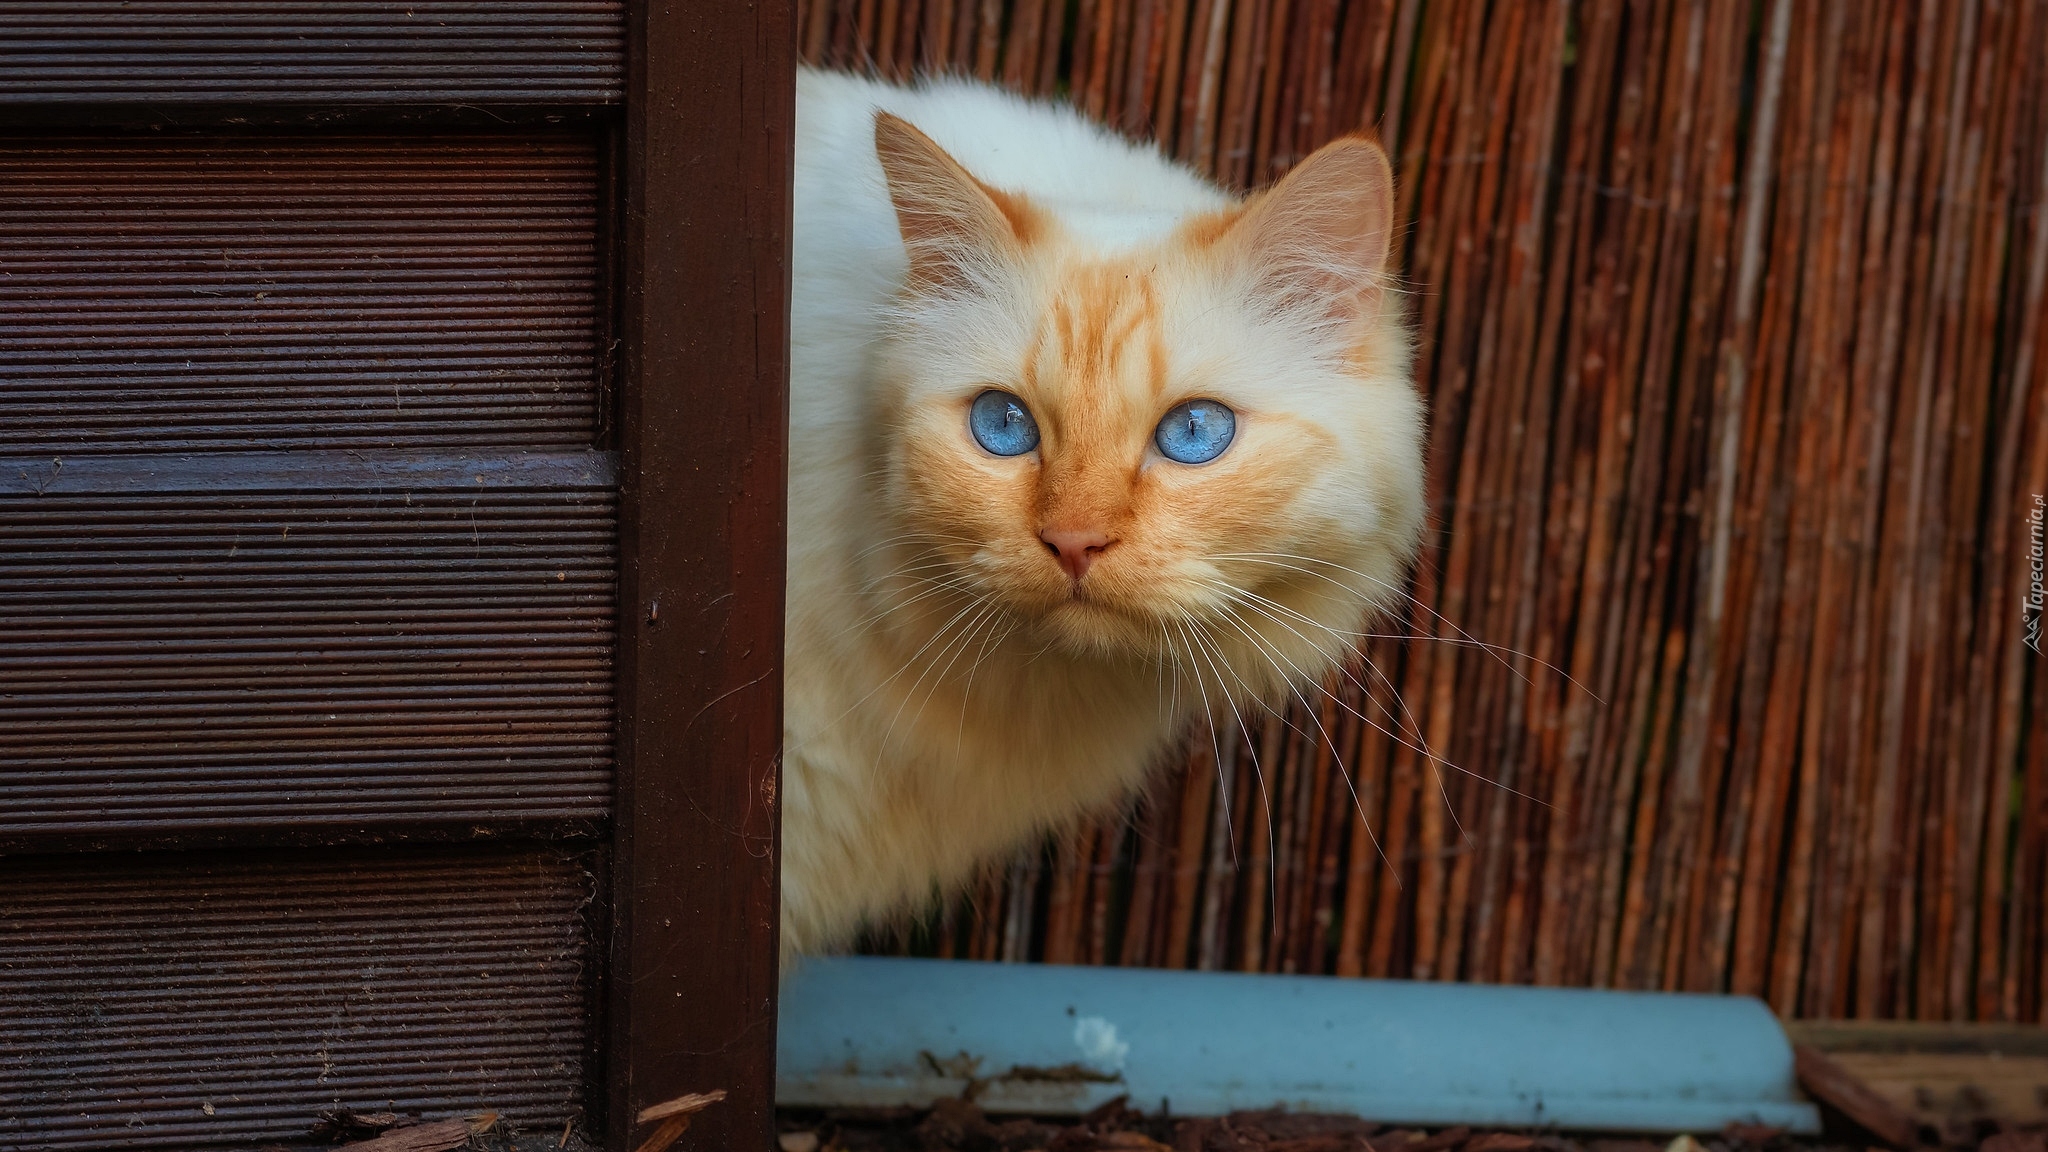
<point>710,108</point>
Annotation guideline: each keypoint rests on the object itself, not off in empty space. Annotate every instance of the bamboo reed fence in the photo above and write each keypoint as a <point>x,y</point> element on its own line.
<point>1732,330</point>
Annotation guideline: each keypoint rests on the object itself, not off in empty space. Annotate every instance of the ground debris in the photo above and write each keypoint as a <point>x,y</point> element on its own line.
<point>438,1136</point>
<point>962,1126</point>
<point>341,1125</point>
<point>1058,1074</point>
<point>2017,1141</point>
<point>1499,1142</point>
<point>673,1118</point>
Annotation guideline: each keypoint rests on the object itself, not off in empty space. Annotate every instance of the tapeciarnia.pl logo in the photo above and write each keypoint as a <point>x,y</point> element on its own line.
<point>2037,561</point>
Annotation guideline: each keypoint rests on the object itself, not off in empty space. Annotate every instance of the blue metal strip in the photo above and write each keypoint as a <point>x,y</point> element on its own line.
<point>1055,1040</point>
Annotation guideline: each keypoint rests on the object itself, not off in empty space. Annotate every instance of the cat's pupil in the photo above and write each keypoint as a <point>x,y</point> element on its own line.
<point>1002,424</point>
<point>1195,431</point>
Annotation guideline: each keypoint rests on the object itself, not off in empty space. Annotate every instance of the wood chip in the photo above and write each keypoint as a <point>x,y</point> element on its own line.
<point>342,1125</point>
<point>675,1118</point>
<point>438,1136</point>
<point>1131,1141</point>
<point>1499,1142</point>
<point>670,1131</point>
<point>2016,1142</point>
<point>1327,1142</point>
<point>681,1105</point>
<point>1448,1138</point>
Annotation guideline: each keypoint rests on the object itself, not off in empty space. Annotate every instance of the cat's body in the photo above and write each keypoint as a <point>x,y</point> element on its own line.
<point>983,646</point>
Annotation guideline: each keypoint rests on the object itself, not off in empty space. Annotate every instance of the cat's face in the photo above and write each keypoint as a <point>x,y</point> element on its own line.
<point>1204,441</point>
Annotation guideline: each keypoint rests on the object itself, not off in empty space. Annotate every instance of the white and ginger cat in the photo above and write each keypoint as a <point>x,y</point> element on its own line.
<point>1082,448</point>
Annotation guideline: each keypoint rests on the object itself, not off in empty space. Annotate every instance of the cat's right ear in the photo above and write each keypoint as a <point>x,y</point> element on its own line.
<point>1320,239</point>
<point>956,229</point>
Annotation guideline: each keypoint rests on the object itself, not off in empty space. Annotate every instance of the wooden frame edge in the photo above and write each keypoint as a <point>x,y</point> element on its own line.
<point>691,985</point>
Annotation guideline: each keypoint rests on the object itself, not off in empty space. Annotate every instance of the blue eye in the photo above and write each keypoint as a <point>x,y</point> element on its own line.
<point>1195,431</point>
<point>1002,424</point>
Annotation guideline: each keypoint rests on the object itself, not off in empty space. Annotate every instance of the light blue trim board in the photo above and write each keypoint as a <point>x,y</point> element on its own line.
<point>1054,1040</point>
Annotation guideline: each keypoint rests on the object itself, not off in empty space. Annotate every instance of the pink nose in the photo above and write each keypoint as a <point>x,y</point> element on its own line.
<point>1076,549</point>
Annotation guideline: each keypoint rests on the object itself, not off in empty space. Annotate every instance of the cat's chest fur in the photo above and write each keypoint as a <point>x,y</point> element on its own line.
<point>909,762</point>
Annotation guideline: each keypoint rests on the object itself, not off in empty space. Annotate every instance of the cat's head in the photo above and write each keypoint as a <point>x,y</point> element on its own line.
<point>1203,445</point>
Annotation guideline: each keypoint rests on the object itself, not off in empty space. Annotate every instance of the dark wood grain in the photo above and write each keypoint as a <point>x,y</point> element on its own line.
<point>293,291</point>
<point>709,113</point>
<point>313,414</point>
<point>195,52</point>
<point>279,472</point>
<point>202,1000</point>
<point>219,648</point>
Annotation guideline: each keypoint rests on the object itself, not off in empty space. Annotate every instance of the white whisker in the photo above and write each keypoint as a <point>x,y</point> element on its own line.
<point>1214,655</point>
<point>1465,637</point>
<point>982,611</point>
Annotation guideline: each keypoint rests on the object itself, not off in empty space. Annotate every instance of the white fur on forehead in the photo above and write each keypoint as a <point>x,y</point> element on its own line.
<point>1103,188</point>
<point>1113,228</point>
<point>1308,254</point>
<point>965,336</point>
<point>1231,331</point>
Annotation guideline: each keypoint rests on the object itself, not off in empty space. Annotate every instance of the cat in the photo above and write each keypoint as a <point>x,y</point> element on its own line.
<point>1082,449</point>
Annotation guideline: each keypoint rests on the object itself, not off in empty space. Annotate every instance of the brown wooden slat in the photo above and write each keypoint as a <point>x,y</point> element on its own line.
<point>330,643</point>
<point>298,292</point>
<point>179,1001</point>
<point>552,52</point>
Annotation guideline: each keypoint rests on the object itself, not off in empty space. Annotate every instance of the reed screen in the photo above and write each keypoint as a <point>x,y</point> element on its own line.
<point>1719,670</point>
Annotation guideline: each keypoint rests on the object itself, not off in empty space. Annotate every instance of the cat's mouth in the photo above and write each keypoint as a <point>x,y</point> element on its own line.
<point>1111,617</point>
<point>1119,607</point>
<point>1084,625</point>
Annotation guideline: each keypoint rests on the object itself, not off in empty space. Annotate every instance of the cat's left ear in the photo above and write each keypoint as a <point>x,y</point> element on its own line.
<point>1319,239</point>
<point>955,228</point>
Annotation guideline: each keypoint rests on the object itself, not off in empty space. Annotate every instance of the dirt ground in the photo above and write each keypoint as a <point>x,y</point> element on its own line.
<point>960,1125</point>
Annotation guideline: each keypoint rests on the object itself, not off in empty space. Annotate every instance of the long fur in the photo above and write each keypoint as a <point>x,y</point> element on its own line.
<point>951,694</point>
